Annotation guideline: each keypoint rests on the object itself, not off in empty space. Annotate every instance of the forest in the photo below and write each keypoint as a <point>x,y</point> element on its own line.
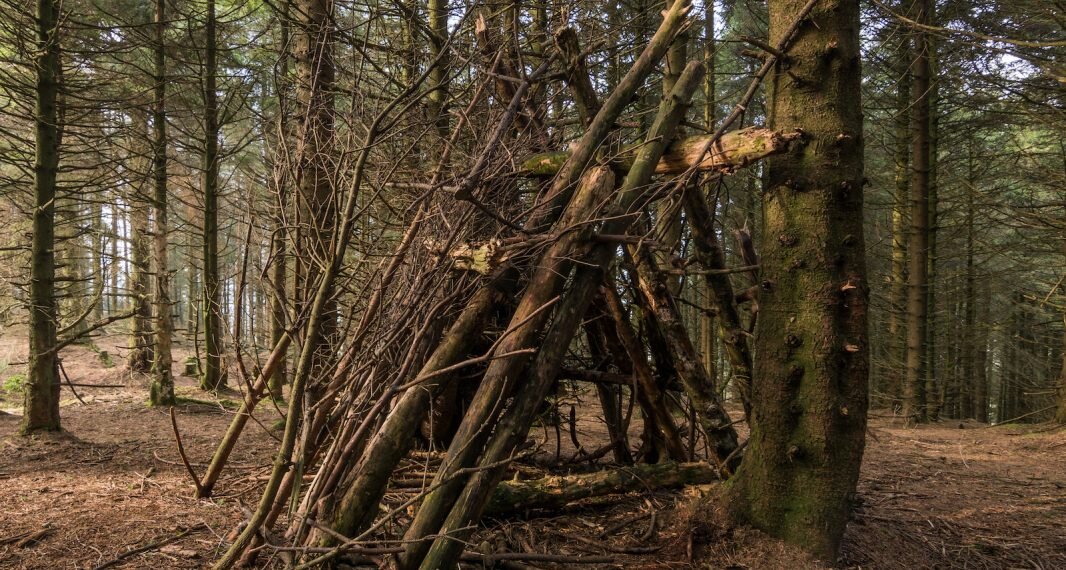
<point>532,284</point>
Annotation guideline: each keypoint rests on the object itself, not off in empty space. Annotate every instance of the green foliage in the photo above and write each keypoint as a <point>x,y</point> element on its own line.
<point>15,383</point>
<point>105,359</point>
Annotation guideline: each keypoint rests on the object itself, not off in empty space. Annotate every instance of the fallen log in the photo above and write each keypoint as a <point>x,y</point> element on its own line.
<point>555,492</point>
<point>734,151</point>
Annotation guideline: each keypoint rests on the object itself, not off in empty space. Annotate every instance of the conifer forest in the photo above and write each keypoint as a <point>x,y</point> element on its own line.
<point>533,284</point>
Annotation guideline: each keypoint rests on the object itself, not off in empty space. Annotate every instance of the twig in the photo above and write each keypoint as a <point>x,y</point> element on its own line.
<point>150,546</point>
<point>67,378</point>
<point>181,453</point>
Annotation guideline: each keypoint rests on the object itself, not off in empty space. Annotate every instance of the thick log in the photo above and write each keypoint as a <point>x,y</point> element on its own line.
<point>555,492</point>
<point>734,151</point>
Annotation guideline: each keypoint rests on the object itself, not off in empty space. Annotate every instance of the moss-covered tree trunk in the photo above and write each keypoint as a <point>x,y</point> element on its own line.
<point>162,393</point>
<point>214,372</point>
<point>809,403</point>
<point>41,400</point>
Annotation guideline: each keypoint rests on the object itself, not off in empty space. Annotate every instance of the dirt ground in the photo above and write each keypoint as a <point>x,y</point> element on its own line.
<point>939,496</point>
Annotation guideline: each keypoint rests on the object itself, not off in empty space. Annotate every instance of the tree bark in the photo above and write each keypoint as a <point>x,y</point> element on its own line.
<point>162,391</point>
<point>898,277</point>
<point>141,342</point>
<point>915,398</point>
<point>279,237</point>
<point>809,395</point>
<point>215,375</point>
<point>41,399</point>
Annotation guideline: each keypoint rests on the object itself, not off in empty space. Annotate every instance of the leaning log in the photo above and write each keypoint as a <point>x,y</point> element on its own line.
<point>553,493</point>
<point>711,255</point>
<point>734,151</point>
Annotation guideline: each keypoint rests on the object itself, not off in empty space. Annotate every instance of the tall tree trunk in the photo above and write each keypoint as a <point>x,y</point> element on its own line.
<point>969,335</point>
<point>437,20</point>
<point>915,398</point>
<point>313,48</point>
<point>809,398</point>
<point>214,371</point>
<point>1060,414</point>
<point>41,399</point>
<point>710,94</point>
<point>162,393</point>
<point>279,237</point>
<point>898,278</point>
<point>932,379</point>
<point>141,342</point>
<point>898,292</point>
<point>980,388</point>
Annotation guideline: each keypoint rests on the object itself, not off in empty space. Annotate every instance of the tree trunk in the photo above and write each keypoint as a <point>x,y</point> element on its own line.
<point>708,332</point>
<point>933,381</point>
<point>162,392</point>
<point>898,278</point>
<point>279,236</point>
<point>1060,414</point>
<point>809,396</point>
<point>915,398</point>
<point>315,79</point>
<point>214,370</point>
<point>141,342</point>
<point>968,381</point>
<point>41,399</point>
<point>980,389</point>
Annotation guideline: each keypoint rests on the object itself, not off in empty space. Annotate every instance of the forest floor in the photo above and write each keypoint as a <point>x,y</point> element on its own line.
<point>947,495</point>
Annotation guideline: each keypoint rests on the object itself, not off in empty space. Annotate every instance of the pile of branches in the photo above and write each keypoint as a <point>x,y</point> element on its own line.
<point>485,295</point>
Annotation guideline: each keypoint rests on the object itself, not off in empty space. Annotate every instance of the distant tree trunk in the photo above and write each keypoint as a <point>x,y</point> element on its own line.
<point>967,397</point>
<point>980,388</point>
<point>315,71</point>
<point>437,13</point>
<point>1060,414</point>
<point>214,372</point>
<point>932,381</point>
<point>898,278</point>
<point>710,94</point>
<point>915,399</point>
<point>41,399</point>
<point>113,261</point>
<point>279,237</point>
<point>162,392</point>
<point>141,341</point>
<point>809,398</point>
<point>99,273</point>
